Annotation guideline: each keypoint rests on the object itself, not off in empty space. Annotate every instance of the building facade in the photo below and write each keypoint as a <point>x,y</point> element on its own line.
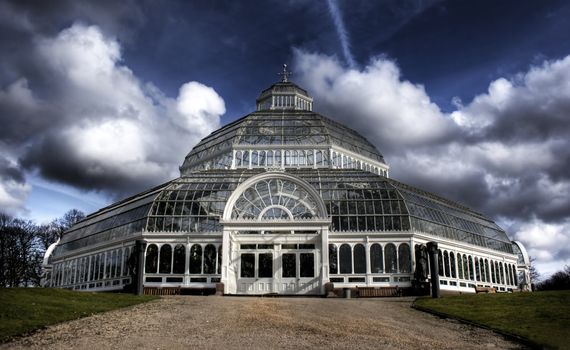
<point>284,201</point>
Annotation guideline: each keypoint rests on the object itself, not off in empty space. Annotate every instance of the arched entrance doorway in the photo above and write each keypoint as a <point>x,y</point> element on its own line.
<point>275,226</point>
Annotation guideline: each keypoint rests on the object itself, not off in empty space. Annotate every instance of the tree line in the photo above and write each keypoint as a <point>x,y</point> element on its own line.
<point>558,281</point>
<point>23,244</point>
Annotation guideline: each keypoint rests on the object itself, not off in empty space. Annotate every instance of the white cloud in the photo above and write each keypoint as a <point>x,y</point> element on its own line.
<point>13,190</point>
<point>376,100</point>
<point>199,107</point>
<point>520,105</point>
<point>110,131</point>
<point>505,153</point>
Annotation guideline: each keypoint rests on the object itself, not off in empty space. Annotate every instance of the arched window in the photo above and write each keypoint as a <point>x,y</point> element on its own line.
<point>446,263</point>
<point>471,274</point>
<point>440,262</point>
<point>333,259</point>
<point>493,277</point>
<point>483,270</point>
<point>452,264</point>
<point>270,158</point>
<point>295,158</point>
<point>179,259</point>
<point>487,271</point>
<point>254,158</point>
<point>151,262</point>
<point>465,268</point>
<point>126,257</point>
<point>275,198</point>
<point>477,271</point>
<point>210,259</point>
<point>515,277</point>
<point>502,273</point>
<point>460,266</point>
<point>359,259</point>
<point>391,259</point>
<point>165,259</point>
<point>376,259</point>
<point>345,259</point>
<point>404,258</point>
<point>287,157</point>
<point>196,259</point>
<point>120,267</point>
<point>108,265</point>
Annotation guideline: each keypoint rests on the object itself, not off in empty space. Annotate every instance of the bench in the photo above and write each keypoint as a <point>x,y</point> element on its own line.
<point>162,291</point>
<point>367,292</point>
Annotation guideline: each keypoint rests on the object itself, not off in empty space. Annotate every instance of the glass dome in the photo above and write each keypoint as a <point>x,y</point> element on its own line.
<point>284,132</point>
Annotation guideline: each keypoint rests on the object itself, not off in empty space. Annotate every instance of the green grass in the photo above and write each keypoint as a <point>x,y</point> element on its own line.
<point>26,309</point>
<point>541,317</point>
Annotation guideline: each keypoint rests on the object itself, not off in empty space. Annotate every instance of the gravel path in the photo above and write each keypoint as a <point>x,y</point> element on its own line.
<point>183,322</point>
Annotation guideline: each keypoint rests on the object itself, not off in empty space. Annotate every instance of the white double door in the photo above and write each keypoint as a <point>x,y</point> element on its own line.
<point>278,269</point>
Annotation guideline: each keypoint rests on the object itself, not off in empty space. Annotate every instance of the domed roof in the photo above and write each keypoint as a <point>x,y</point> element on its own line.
<point>284,120</point>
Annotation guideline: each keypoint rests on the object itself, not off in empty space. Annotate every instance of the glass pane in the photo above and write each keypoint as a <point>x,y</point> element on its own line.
<point>345,259</point>
<point>307,264</point>
<point>165,258</point>
<point>289,262</point>
<point>404,256</point>
<point>333,255</point>
<point>376,265</point>
<point>196,259</point>
<point>179,259</point>
<point>210,259</point>
<point>247,265</point>
<point>390,251</point>
<point>220,260</point>
<point>265,265</point>
<point>359,259</point>
<point>151,262</point>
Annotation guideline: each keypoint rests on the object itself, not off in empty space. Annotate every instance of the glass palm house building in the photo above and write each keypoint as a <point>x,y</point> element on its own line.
<point>284,201</point>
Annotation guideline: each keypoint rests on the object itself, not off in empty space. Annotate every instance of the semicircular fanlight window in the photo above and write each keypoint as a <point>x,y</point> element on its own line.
<point>275,199</point>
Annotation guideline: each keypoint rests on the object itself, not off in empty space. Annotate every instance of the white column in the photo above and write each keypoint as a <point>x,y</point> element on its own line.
<point>324,257</point>
<point>227,278</point>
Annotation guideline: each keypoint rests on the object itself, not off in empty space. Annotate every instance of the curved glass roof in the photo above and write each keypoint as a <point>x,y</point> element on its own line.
<point>355,200</point>
<point>279,129</point>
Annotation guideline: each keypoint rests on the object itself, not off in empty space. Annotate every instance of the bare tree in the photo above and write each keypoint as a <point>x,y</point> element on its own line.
<point>534,274</point>
<point>23,245</point>
<point>20,253</point>
<point>558,281</point>
<point>51,232</point>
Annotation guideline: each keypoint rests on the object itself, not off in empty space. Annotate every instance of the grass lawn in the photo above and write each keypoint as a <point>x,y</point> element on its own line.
<point>26,309</point>
<point>541,317</point>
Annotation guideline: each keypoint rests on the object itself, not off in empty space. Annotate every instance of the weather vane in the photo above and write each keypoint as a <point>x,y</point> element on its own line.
<point>285,74</point>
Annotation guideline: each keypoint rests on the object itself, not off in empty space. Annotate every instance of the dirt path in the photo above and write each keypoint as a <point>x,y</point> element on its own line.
<point>239,322</point>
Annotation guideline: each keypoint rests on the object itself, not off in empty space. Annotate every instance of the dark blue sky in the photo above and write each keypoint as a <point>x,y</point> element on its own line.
<point>469,99</point>
<point>453,48</point>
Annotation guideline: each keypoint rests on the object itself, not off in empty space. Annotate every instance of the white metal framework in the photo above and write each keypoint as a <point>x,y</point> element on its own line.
<point>283,201</point>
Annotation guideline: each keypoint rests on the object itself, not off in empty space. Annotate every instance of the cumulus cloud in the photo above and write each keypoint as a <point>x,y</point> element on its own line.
<point>98,126</point>
<point>13,187</point>
<point>506,153</point>
<point>391,111</point>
